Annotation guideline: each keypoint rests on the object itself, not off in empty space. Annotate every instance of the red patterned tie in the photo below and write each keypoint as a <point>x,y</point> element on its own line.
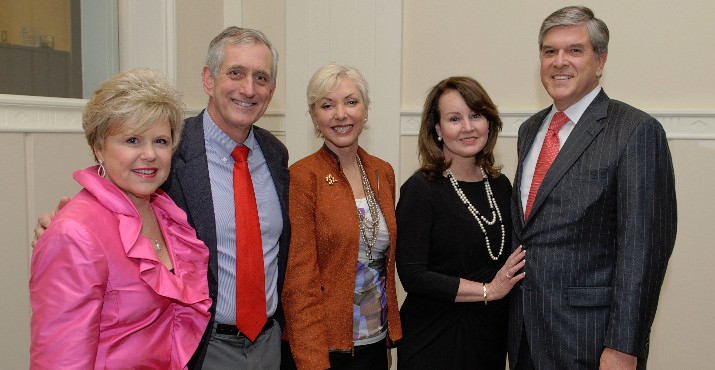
<point>250,277</point>
<point>548,153</point>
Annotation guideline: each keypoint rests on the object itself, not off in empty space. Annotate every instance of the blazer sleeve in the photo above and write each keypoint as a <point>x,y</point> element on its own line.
<point>67,285</point>
<point>414,227</point>
<point>302,292</point>
<point>646,218</point>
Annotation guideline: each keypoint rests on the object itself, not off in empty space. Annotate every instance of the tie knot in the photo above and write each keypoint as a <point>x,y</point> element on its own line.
<point>240,153</point>
<point>557,121</point>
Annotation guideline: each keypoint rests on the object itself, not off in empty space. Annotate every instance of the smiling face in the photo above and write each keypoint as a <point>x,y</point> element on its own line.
<point>138,163</point>
<point>463,131</point>
<point>340,115</point>
<point>569,66</point>
<point>242,90</point>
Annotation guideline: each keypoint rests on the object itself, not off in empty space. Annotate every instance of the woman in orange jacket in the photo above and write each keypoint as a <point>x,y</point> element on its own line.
<point>339,296</point>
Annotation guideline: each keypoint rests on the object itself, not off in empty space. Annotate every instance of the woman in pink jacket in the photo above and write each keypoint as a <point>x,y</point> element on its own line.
<point>118,280</point>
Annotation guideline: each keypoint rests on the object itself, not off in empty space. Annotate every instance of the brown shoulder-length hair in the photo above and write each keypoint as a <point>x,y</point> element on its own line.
<point>431,154</point>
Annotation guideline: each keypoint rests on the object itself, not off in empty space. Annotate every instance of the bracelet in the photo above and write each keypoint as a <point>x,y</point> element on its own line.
<point>484,287</point>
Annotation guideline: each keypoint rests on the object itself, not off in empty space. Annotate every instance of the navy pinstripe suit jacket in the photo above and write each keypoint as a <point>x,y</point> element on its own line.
<point>598,239</point>
<point>189,186</point>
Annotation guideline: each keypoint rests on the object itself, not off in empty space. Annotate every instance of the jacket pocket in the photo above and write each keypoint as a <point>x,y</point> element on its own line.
<point>590,296</point>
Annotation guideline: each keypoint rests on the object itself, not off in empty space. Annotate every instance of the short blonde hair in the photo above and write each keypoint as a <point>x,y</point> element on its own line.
<point>132,101</point>
<point>326,78</point>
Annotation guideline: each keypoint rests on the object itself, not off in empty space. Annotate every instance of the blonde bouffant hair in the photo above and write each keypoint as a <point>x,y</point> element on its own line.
<point>132,101</point>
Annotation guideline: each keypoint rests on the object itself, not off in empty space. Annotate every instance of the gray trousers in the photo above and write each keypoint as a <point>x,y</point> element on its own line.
<point>237,352</point>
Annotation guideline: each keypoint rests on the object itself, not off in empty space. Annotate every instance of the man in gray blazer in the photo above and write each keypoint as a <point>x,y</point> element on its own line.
<point>598,223</point>
<point>240,78</point>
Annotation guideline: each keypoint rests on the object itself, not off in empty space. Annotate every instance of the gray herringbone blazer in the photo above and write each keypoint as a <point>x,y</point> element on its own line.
<point>598,239</point>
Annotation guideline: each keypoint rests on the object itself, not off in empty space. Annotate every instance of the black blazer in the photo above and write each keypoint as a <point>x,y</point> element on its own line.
<point>189,186</point>
<point>598,239</point>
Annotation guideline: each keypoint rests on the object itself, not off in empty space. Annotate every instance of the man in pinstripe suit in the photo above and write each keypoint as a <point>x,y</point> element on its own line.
<point>601,226</point>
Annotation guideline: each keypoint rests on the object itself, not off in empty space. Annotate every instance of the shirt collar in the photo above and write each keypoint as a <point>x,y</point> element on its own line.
<point>217,137</point>
<point>576,110</point>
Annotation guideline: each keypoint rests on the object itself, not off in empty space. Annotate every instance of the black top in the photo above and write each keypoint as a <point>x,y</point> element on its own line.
<point>438,242</point>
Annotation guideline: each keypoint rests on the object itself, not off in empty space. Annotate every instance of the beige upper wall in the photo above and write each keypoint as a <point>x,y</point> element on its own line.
<point>662,62</point>
<point>193,34</point>
<point>269,17</point>
<point>661,55</point>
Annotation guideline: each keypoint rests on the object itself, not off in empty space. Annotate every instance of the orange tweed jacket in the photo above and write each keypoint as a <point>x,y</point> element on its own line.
<point>320,279</point>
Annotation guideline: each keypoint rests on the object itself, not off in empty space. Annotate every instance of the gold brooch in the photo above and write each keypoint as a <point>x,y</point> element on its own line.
<point>330,179</point>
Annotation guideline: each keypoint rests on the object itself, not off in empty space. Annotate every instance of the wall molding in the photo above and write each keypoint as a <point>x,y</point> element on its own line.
<point>678,125</point>
<point>19,113</point>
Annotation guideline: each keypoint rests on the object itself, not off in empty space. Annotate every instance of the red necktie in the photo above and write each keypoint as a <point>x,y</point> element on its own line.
<point>548,153</point>
<point>250,277</point>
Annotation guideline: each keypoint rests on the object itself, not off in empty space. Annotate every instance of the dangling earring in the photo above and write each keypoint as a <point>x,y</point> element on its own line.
<point>439,138</point>
<point>101,171</point>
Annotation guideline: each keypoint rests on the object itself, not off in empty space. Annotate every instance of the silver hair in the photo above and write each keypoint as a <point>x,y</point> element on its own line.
<point>238,36</point>
<point>576,16</point>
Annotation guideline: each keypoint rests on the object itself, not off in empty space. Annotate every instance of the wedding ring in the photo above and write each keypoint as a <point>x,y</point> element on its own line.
<point>507,275</point>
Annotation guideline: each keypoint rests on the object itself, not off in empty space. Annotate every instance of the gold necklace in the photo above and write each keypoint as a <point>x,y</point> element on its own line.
<point>372,226</point>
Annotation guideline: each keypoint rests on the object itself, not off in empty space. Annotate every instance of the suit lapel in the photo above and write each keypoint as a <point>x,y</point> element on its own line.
<point>525,141</point>
<point>192,173</point>
<point>578,141</point>
<point>273,158</point>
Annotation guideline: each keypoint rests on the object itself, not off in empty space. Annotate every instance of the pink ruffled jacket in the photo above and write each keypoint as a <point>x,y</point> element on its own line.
<point>101,299</point>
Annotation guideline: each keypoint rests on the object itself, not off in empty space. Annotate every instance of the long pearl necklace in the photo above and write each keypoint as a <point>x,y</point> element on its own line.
<point>481,220</point>
<point>373,226</point>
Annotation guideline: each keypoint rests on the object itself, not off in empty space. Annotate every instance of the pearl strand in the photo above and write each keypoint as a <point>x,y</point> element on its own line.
<point>496,214</point>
